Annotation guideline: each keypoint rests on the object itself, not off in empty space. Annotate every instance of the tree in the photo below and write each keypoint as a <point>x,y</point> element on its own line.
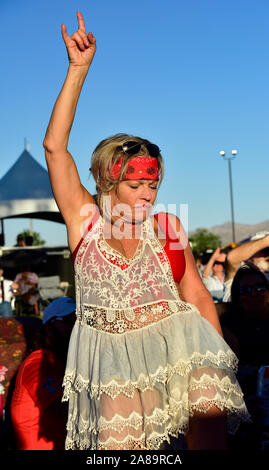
<point>202,239</point>
<point>37,240</point>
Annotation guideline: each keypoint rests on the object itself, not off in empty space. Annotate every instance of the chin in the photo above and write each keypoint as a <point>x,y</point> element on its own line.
<point>140,216</point>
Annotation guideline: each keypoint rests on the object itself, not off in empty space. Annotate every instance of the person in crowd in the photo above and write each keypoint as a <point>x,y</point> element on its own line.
<point>25,287</point>
<point>29,240</point>
<point>246,329</point>
<point>214,275</point>
<point>250,318</point>
<point>4,289</point>
<point>146,359</point>
<point>20,240</point>
<point>255,250</point>
<point>261,257</point>
<point>38,415</point>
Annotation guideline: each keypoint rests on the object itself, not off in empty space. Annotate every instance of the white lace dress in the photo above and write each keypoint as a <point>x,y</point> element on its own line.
<point>140,360</point>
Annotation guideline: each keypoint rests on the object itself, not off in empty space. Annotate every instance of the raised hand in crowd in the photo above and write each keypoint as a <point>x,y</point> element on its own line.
<point>216,256</point>
<point>80,46</point>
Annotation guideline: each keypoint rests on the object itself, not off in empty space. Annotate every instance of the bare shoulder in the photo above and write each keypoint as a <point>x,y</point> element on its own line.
<point>171,225</point>
<point>174,221</point>
<point>172,218</point>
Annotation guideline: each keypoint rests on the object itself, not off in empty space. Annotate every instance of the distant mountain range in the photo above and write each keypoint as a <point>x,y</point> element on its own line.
<point>242,231</point>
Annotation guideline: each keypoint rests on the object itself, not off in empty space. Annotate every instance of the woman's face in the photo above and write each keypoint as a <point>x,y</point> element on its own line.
<point>132,200</point>
<point>218,268</point>
<point>254,296</point>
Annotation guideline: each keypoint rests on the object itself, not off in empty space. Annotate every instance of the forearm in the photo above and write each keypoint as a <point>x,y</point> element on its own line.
<point>246,250</point>
<point>208,268</point>
<point>63,113</point>
<point>207,309</point>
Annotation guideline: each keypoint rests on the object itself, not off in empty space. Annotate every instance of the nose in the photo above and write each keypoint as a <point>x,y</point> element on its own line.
<point>146,193</point>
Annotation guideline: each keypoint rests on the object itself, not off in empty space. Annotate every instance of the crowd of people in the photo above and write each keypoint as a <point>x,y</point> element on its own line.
<point>218,273</point>
<point>25,288</point>
<point>38,415</point>
<point>238,280</point>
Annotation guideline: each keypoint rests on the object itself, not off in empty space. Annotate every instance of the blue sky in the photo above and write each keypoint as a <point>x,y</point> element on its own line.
<point>189,75</point>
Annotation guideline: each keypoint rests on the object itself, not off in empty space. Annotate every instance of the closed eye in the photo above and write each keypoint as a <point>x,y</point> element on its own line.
<point>137,186</point>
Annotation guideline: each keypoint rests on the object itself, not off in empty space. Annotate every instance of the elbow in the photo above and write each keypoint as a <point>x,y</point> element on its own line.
<point>47,147</point>
<point>51,148</point>
<point>45,143</point>
<point>50,151</point>
<point>52,143</point>
<point>231,262</point>
<point>47,152</point>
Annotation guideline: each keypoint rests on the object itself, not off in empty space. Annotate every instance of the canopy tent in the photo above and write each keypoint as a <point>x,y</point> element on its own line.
<point>25,192</point>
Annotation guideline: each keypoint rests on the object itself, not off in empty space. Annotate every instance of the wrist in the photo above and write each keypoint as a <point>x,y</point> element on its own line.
<point>76,76</point>
<point>78,70</point>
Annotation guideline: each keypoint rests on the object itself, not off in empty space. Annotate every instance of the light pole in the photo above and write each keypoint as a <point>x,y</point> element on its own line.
<point>229,159</point>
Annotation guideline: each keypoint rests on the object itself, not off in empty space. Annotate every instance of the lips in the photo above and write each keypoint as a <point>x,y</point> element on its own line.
<point>142,206</point>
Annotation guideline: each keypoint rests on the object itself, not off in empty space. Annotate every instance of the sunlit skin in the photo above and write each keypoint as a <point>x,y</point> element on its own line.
<point>134,194</point>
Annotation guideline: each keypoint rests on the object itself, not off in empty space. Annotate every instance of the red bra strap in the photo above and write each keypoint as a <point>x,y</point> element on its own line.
<point>163,220</point>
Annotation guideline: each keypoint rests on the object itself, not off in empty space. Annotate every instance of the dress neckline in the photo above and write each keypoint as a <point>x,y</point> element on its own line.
<point>112,251</point>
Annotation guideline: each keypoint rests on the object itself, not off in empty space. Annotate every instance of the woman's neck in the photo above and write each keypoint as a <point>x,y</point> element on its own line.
<point>118,228</point>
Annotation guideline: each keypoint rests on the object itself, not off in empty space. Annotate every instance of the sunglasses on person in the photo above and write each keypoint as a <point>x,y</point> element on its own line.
<point>132,148</point>
<point>256,288</point>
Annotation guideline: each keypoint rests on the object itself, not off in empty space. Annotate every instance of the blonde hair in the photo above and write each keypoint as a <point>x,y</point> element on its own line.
<point>105,156</point>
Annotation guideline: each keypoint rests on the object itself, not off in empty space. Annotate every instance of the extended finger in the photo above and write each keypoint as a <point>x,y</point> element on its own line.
<point>81,23</point>
<point>65,36</point>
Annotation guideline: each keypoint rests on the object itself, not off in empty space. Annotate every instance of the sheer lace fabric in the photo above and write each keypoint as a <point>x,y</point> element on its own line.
<point>140,360</point>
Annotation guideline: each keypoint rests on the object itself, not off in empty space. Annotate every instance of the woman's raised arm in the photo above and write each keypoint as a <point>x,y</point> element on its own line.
<point>68,191</point>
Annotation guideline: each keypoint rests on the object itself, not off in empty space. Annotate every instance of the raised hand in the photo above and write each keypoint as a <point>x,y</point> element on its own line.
<point>218,256</point>
<point>80,46</point>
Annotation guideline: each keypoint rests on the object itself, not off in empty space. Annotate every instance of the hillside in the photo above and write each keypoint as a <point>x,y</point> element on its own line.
<point>242,231</point>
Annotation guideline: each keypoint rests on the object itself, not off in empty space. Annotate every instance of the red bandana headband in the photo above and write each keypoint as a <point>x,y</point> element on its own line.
<point>138,168</point>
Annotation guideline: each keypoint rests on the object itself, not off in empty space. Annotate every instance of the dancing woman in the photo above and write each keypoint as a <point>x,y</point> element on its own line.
<point>146,359</point>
